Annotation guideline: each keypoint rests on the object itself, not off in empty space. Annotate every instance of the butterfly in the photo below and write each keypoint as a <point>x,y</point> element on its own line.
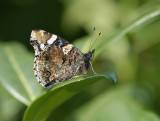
<point>57,60</point>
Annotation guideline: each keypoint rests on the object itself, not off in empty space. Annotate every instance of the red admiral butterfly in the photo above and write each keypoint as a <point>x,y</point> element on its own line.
<point>56,60</point>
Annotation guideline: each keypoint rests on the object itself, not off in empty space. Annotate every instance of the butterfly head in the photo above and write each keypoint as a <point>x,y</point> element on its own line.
<point>88,58</point>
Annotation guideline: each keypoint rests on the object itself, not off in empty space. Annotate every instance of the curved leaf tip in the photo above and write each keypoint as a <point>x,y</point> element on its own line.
<point>111,76</point>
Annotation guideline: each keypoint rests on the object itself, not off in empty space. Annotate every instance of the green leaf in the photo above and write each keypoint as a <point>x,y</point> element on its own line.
<point>16,72</point>
<point>41,108</point>
<point>102,14</point>
<point>8,105</point>
<point>124,103</point>
<point>101,45</point>
<point>148,15</point>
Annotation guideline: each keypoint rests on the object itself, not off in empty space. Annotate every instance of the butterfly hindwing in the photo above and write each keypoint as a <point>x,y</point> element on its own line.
<point>56,60</point>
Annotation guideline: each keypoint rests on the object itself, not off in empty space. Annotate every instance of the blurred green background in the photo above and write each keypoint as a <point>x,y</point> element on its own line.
<point>135,57</point>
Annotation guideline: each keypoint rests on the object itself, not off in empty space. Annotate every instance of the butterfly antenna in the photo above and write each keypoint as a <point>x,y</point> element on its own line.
<point>95,40</point>
<point>90,47</point>
<point>92,38</point>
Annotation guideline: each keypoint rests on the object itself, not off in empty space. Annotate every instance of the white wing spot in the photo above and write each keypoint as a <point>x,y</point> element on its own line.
<point>67,48</point>
<point>52,39</point>
<point>42,46</point>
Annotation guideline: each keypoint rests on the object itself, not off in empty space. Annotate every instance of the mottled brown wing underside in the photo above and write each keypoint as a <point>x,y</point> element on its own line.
<point>56,60</point>
<point>56,67</point>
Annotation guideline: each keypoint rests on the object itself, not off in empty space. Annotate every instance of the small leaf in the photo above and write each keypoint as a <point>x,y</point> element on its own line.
<point>16,72</point>
<point>42,107</point>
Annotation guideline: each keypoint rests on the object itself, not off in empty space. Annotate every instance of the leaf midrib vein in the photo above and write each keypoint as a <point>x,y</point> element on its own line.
<point>19,73</point>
